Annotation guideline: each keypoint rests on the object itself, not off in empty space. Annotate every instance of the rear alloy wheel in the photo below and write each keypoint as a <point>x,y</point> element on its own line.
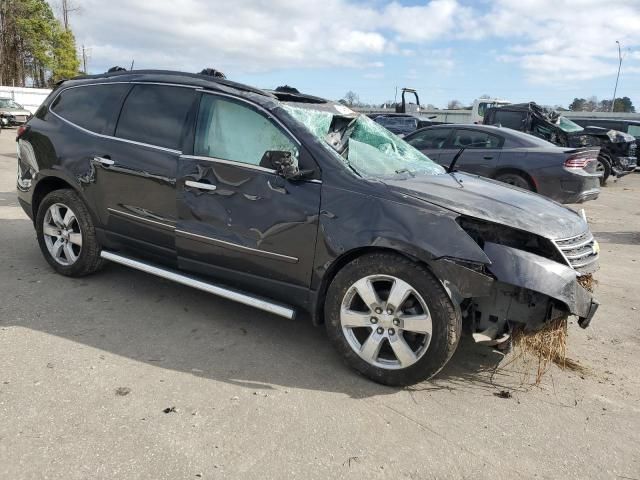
<point>515,179</point>
<point>391,319</point>
<point>66,234</point>
<point>62,234</point>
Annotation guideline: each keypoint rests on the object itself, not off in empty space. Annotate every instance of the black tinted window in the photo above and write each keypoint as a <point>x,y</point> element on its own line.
<point>430,139</point>
<point>475,139</point>
<point>94,107</point>
<point>509,119</point>
<point>155,114</point>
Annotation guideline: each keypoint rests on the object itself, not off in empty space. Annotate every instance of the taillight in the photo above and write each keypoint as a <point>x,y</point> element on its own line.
<point>22,129</point>
<point>576,161</point>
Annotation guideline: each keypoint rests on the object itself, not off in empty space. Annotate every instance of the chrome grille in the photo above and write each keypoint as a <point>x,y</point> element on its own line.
<point>633,149</point>
<point>580,252</point>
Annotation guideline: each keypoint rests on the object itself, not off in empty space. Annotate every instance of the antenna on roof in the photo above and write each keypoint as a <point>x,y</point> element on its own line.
<point>132,62</point>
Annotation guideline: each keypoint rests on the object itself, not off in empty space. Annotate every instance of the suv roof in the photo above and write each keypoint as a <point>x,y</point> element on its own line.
<point>192,79</point>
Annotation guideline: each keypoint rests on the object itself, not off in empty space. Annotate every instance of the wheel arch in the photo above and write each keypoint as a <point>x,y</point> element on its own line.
<point>49,184</point>
<point>317,313</point>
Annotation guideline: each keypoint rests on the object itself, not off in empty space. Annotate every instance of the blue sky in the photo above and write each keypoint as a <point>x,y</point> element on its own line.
<point>549,51</point>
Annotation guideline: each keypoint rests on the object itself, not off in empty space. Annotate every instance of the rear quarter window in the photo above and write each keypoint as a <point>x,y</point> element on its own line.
<point>92,107</point>
<point>512,120</point>
<point>155,115</point>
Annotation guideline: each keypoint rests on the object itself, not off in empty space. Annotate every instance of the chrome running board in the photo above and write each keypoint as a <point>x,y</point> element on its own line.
<point>218,290</point>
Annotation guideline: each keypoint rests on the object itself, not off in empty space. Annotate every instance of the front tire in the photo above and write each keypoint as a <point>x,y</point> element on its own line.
<point>391,319</point>
<point>66,234</point>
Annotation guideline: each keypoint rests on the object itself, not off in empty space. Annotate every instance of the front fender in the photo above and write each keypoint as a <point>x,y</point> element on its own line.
<point>351,221</point>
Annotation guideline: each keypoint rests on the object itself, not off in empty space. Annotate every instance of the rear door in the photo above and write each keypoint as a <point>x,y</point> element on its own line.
<point>481,154</point>
<point>239,220</point>
<point>136,170</point>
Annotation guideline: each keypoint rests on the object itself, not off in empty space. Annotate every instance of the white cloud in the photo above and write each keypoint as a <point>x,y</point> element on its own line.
<point>556,41</point>
<point>550,40</point>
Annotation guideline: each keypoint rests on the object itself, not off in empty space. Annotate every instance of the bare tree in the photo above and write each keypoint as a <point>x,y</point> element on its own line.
<point>351,98</point>
<point>67,7</point>
<point>454,105</point>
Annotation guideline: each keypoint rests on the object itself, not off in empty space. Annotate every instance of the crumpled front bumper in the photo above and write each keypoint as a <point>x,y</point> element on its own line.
<point>624,166</point>
<point>539,274</point>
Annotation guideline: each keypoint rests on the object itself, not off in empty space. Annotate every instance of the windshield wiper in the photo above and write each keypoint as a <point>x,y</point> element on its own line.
<point>452,165</point>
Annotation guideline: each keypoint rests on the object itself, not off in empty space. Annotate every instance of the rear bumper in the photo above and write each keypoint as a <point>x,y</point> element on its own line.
<point>576,187</point>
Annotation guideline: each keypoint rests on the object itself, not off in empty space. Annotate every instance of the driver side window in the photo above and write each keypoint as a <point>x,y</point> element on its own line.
<point>231,131</point>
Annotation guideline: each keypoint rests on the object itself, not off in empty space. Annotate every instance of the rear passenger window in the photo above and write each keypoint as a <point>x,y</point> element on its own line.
<point>512,120</point>
<point>94,107</point>
<point>475,139</point>
<point>155,114</point>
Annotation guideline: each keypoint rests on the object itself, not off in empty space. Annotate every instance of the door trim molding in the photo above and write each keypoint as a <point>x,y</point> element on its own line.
<point>235,246</point>
<point>164,226</point>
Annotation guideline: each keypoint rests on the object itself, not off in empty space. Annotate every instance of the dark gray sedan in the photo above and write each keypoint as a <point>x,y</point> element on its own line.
<point>566,175</point>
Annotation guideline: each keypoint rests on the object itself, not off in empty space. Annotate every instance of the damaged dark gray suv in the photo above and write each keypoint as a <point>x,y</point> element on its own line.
<point>291,203</point>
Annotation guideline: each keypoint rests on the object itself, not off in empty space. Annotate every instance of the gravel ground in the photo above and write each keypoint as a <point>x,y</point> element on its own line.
<point>124,375</point>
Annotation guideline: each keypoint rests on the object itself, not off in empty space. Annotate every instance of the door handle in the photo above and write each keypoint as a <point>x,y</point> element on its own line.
<point>201,186</point>
<point>488,157</point>
<point>104,160</point>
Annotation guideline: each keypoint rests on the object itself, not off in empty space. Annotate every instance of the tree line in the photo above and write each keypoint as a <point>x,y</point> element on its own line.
<point>35,48</point>
<point>592,104</point>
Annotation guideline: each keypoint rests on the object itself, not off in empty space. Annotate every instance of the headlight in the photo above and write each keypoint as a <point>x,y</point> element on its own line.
<point>481,232</point>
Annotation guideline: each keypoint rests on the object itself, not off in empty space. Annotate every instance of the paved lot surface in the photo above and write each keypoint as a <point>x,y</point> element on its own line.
<point>258,397</point>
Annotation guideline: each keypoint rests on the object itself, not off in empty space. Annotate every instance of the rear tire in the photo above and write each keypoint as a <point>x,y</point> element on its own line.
<point>391,344</point>
<point>66,234</point>
<point>515,179</point>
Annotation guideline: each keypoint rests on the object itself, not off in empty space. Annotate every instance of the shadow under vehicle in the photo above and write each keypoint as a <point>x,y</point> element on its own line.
<point>290,203</point>
<point>567,175</point>
<point>617,149</point>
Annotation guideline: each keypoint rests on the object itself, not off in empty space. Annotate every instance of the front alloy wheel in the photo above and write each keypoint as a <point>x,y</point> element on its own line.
<point>391,319</point>
<point>386,321</point>
<point>62,234</point>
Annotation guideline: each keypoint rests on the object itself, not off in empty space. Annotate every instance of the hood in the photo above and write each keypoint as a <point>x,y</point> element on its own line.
<point>613,136</point>
<point>8,111</point>
<point>495,202</point>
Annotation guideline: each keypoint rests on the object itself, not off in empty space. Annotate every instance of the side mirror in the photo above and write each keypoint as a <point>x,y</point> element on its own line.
<point>282,162</point>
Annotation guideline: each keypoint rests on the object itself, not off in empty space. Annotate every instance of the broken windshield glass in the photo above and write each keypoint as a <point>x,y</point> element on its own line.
<point>365,146</point>
<point>568,126</point>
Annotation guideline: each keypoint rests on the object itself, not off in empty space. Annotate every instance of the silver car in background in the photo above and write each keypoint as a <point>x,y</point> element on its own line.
<point>12,114</point>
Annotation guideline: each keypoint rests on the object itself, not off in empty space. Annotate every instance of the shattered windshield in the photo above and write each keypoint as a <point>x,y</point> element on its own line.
<point>568,126</point>
<point>8,103</point>
<point>363,145</point>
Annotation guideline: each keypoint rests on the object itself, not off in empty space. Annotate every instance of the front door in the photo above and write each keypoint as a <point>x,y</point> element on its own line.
<point>237,219</point>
